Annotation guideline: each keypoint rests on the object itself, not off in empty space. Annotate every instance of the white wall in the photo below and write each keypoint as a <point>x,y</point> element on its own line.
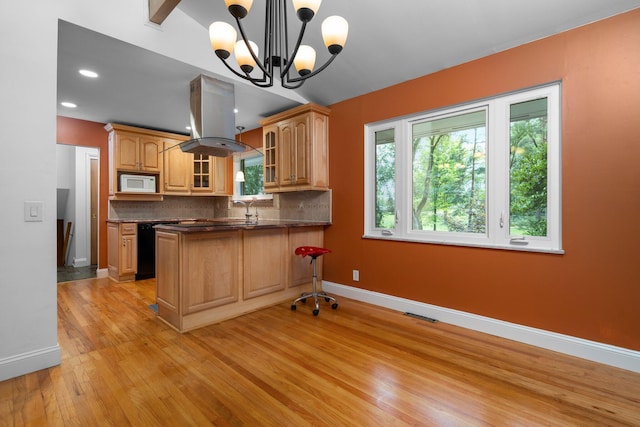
<point>28,319</point>
<point>28,306</point>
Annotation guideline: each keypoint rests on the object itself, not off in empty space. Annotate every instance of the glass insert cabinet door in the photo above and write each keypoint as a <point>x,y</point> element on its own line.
<point>201,171</point>
<point>270,158</point>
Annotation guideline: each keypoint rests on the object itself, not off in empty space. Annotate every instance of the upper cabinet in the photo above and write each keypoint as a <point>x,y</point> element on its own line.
<point>196,174</point>
<point>296,149</point>
<point>135,150</point>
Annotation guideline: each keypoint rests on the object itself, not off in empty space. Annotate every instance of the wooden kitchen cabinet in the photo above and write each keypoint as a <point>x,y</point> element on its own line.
<point>196,174</point>
<point>195,274</point>
<point>222,176</point>
<point>265,269</point>
<point>135,150</point>
<point>168,275</point>
<point>122,248</point>
<point>296,149</point>
<point>204,277</point>
<point>176,169</point>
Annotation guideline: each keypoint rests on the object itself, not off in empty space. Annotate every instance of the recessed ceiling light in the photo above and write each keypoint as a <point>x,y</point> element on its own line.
<point>68,104</point>
<point>88,73</point>
<point>235,110</point>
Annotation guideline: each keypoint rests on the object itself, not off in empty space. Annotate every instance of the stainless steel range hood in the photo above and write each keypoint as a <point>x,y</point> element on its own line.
<point>213,121</point>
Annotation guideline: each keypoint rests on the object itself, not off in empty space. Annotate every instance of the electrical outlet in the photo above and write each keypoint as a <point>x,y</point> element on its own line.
<point>356,275</point>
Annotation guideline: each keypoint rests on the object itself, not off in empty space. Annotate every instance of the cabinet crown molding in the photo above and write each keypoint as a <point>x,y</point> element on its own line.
<point>311,107</point>
<point>143,131</point>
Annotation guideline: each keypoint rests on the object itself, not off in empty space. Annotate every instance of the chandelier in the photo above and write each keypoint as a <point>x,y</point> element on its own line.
<point>276,52</point>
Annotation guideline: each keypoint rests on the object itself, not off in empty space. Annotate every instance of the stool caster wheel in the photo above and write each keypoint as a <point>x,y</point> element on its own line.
<point>334,305</point>
<point>303,300</point>
<point>326,299</point>
<point>293,307</point>
<point>315,312</point>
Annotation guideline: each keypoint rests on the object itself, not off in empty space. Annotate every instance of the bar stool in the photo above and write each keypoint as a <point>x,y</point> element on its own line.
<point>313,252</point>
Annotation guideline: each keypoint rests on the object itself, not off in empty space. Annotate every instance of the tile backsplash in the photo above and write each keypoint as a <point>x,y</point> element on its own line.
<point>296,205</point>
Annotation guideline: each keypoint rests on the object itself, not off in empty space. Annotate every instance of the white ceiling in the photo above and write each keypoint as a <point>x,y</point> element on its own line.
<point>390,44</point>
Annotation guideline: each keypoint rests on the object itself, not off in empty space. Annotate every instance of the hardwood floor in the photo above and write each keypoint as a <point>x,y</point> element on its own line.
<point>357,366</point>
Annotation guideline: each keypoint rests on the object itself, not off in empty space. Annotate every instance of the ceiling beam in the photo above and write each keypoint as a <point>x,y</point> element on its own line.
<point>160,9</point>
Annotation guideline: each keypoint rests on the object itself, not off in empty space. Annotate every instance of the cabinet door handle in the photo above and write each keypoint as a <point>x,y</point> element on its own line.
<point>124,242</point>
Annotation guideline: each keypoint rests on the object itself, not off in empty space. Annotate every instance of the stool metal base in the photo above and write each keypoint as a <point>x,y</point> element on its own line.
<point>316,296</point>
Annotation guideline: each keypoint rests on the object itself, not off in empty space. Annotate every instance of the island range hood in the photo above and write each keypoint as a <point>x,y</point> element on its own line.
<point>213,120</point>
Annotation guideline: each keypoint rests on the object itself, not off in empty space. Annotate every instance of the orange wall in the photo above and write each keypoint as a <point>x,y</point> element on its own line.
<point>593,290</point>
<point>251,137</point>
<point>91,134</point>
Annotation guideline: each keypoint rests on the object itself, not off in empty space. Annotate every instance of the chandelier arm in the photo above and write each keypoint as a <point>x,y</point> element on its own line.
<point>253,54</point>
<point>285,84</point>
<point>285,70</point>
<point>257,82</point>
<point>319,70</point>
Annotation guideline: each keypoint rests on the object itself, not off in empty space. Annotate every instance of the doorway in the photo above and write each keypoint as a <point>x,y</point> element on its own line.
<point>77,211</point>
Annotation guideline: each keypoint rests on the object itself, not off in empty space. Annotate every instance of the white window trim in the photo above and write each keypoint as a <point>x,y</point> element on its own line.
<point>497,190</point>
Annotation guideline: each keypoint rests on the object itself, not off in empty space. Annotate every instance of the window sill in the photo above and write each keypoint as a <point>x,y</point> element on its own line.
<point>469,245</point>
<point>257,197</point>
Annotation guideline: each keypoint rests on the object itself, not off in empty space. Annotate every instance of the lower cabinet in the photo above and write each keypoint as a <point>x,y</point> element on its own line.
<point>122,256</point>
<point>212,261</point>
<point>207,277</point>
<point>265,267</point>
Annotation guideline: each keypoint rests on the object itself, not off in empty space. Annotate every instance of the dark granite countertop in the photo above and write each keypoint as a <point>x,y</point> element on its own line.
<point>224,224</point>
<point>149,221</point>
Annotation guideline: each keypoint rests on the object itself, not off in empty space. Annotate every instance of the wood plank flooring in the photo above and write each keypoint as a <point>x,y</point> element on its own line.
<point>357,366</point>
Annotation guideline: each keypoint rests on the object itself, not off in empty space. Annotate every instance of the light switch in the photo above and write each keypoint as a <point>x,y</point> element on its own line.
<point>33,211</point>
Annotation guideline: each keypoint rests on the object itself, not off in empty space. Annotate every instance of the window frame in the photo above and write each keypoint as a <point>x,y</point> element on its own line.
<point>237,186</point>
<point>497,175</point>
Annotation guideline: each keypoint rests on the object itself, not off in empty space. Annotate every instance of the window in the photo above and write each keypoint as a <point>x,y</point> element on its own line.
<point>479,174</point>
<point>250,163</point>
<point>252,168</point>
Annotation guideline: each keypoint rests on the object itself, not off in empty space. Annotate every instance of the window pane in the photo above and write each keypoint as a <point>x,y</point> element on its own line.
<point>449,173</point>
<point>253,172</point>
<point>385,154</point>
<point>528,168</point>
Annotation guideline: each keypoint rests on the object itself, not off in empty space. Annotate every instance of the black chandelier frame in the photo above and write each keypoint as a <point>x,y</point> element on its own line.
<point>276,45</point>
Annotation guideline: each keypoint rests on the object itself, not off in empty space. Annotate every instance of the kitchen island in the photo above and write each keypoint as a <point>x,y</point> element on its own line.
<point>210,271</point>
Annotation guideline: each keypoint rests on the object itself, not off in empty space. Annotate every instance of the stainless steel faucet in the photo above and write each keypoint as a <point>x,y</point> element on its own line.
<point>247,214</point>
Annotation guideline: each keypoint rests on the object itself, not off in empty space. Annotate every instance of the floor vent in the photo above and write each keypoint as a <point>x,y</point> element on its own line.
<point>417,316</point>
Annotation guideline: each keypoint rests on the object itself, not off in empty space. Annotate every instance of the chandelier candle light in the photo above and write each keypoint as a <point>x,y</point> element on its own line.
<point>276,44</point>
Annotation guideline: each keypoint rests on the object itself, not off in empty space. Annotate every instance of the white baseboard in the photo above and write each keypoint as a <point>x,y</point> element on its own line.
<point>102,272</point>
<point>578,347</point>
<point>80,262</point>
<point>32,361</point>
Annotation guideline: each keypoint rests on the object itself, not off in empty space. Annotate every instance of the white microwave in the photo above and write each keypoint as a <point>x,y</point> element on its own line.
<point>130,183</point>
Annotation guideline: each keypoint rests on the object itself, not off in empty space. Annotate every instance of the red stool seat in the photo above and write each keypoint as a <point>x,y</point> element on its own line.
<point>312,251</point>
